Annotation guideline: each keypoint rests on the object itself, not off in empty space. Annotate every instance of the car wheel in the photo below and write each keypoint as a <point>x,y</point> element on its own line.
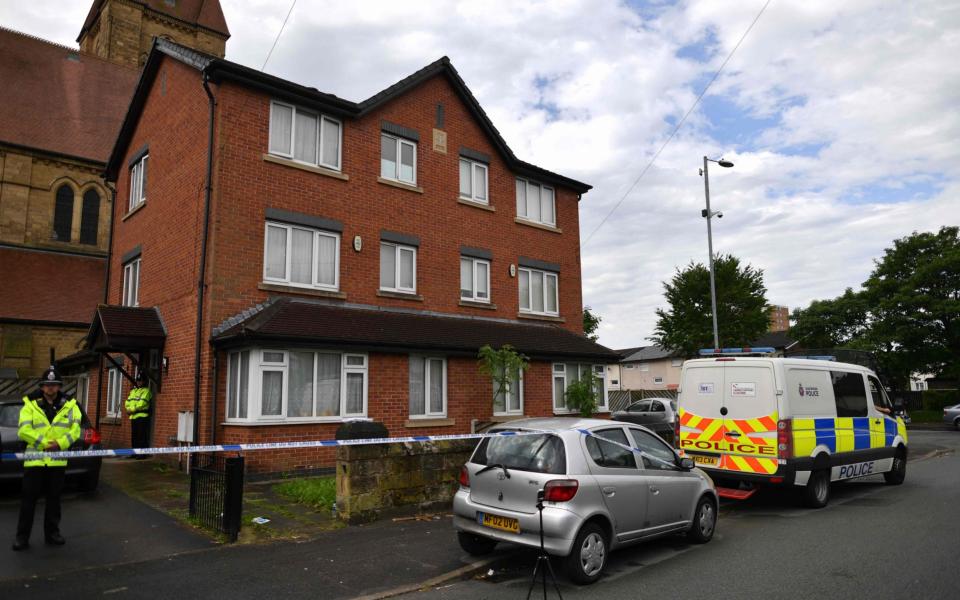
<point>589,555</point>
<point>956,423</point>
<point>704,522</point>
<point>475,545</point>
<point>89,481</point>
<point>817,492</point>
<point>899,472</point>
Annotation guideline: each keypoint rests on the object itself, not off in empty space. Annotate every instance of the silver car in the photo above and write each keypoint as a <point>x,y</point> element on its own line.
<point>951,414</point>
<point>598,493</point>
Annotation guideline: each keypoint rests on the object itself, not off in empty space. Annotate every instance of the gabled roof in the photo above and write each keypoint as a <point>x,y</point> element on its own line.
<point>218,69</point>
<point>649,353</point>
<point>59,100</point>
<point>311,322</point>
<point>125,329</point>
<point>780,340</point>
<point>203,13</point>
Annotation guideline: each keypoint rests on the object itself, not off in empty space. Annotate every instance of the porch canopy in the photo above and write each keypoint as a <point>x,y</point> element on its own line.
<point>300,322</point>
<point>129,330</point>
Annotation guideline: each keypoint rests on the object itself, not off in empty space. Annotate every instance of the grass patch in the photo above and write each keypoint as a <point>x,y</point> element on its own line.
<point>926,416</point>
<point>316,492</point>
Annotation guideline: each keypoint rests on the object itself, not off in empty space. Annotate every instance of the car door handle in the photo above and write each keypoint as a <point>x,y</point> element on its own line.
<point>655,490</point>
<point>609,491</point>
<point>734,434</point>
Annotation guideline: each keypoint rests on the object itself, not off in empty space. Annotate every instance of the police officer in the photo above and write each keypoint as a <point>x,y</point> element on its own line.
<point>138,409</point>
<point>49,422</point>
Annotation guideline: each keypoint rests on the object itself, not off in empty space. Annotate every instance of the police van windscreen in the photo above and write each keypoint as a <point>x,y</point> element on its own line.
<point>535,453</point>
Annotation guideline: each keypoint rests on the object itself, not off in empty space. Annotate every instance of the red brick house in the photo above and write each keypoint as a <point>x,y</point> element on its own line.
<point>344,260</point>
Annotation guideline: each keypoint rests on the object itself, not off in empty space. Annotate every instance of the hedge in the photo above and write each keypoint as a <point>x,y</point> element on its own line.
<point>938,399</point>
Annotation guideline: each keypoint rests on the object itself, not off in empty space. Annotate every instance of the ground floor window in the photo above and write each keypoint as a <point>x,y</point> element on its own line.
<point>270,385</point>
<point>509,399</point>
<point>566,373</point>
<point>114,399</point>
<point>428,386</point>
<point>83,391</point>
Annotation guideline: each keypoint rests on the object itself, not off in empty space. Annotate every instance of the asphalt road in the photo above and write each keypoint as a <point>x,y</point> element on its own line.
<point>872,541</point>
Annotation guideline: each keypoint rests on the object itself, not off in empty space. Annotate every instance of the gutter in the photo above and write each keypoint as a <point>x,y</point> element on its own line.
<point>208,191</point>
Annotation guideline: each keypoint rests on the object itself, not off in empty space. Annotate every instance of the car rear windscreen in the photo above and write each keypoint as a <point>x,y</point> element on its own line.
<point>538,453</point>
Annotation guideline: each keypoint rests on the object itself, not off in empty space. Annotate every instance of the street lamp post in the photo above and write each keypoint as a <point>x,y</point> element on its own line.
<point>708,215</point>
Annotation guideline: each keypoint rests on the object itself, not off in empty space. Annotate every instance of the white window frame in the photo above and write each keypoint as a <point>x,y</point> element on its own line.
<point>676,362</point>
<point>476,166</point>
<point>317,234</point>
<point>114,393</point>
<point>474,270</point>
<point>258,366</point>
<point>506,402</point>
<point>400,142</point>
<point>83,391</point>
<point>398,250</point>
<point>523,211</point>
<point>293,136</point>
<point>138,185</point>
<point>598,372</point>
<point>131,283</point>
<point>529,307</point>
<point>427,414</point>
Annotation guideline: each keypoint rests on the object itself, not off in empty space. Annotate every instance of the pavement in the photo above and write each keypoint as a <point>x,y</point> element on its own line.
<point>118,546</point>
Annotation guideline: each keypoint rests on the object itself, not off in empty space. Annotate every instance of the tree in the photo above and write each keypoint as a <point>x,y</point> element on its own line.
<point>914,296</point>
<point>741,307</point>
<point>503,365</point>
<point>590,323</point>
<point>835,323</point>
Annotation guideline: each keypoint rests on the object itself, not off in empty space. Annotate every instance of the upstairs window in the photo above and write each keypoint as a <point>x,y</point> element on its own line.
<point>473,181</point>
<point>304,136</point>
<point>90,217</point>
<point>398,159</point>
<point>398,268</point>
<point>535,203</point>
<point>131,283</point>
<point>538,292</point>
<point>63,213</point>
<point>474,279</point>
<point>301,257</point>
<point>138,182</point>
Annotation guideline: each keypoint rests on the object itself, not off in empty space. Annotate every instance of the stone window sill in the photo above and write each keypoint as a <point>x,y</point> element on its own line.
<point>417,423</point>
<point>400,296</point>
<point>134,211</point>
<point>290,289</point>
<point>305,167</point>
<point>111,421</point>
<point>528,223</point>
<point>466,202</point>
<point>533,317</point>
<point>483,305</point>
<point>282,423</point>
<point>400,185</point>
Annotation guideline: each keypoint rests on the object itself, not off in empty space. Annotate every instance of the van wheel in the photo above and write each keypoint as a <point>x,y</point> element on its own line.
<point>817,492</point>
<point>589,555</point>
<point>475,545</point>
<point>896,475</point>
<point>704,522</point>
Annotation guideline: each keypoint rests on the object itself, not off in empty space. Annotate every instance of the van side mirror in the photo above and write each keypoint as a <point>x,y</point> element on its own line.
<point>898,404</point>
<point>687,463</point>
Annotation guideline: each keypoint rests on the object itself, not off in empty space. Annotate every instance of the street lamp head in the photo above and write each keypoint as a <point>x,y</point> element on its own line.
<point>724,163</point>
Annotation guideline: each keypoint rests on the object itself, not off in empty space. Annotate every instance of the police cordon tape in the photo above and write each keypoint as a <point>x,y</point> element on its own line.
<point>124,452</point>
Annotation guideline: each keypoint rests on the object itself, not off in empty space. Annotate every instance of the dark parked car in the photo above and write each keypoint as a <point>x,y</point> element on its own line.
<point>85,471</point>
<point>657,414</point>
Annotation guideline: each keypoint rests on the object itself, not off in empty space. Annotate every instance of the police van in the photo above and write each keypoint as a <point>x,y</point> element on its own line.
<point>752,420</point>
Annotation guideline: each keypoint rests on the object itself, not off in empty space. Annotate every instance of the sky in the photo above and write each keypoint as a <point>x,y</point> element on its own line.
<point>841,118</point>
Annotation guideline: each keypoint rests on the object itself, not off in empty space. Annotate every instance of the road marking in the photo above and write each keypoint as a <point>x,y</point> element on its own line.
<point>115,590</point>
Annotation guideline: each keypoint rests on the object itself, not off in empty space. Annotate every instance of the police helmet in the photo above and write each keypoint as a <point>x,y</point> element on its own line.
<point>51,377</point>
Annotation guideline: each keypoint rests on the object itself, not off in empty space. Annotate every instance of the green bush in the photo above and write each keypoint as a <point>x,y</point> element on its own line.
<point>582,396</point>
<point>938,399</point>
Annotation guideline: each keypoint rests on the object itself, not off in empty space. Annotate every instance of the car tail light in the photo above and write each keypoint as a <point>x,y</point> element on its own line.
<point>560,490</point>
<point>464,476</point>
<point>91,436</point>
<point>784,439</point>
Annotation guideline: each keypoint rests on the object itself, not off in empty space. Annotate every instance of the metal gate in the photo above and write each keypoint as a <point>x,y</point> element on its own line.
<point>216,492</point>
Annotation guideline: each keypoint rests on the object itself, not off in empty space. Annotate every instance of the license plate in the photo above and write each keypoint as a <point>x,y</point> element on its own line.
<point>498,522</point>
<point>707,461</point>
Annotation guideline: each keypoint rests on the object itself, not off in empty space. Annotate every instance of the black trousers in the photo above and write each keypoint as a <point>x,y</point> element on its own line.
<point>140,432</point>
<point>46,482</point>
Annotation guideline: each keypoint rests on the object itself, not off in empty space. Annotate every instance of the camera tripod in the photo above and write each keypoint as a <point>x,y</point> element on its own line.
<point>543,560</point>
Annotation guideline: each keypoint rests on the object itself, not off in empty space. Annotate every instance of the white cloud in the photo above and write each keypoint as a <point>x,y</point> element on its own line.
<point>867,90</point>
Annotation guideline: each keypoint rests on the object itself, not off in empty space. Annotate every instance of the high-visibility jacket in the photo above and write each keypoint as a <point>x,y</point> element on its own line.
<point>37,431</point>
<point>138,403</point>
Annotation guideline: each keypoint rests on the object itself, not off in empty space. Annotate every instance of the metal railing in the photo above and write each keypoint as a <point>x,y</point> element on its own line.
<point>216,492</point>
<point>621,399</point>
